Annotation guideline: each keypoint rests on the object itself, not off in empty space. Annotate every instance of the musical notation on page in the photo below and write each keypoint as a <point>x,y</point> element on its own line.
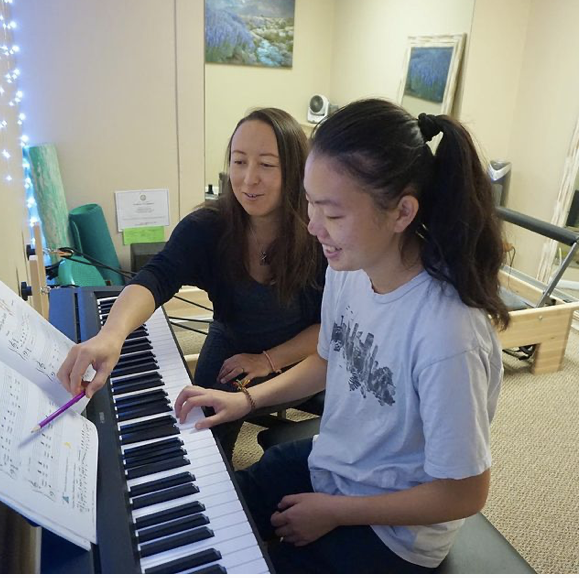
<point>50,476</point>
<point>31,345</point>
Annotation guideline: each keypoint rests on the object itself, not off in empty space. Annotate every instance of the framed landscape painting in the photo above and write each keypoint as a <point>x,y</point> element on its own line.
<point>430,73</point>
<point>250,32</point>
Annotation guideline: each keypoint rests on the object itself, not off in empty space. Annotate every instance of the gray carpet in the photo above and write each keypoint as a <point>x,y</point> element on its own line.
<point>533,499</point>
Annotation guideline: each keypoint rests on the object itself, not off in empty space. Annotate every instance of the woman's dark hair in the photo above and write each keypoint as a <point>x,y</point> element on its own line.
<point>385,149</point>
<point>293,256</point>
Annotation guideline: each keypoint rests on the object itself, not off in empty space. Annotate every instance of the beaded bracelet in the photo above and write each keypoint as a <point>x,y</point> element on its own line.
<point>241,385</point>
<point>271,362</point>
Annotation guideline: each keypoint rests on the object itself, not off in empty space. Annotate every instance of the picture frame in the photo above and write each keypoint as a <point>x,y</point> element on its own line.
<point>250,32</point>
<point>430,70</point>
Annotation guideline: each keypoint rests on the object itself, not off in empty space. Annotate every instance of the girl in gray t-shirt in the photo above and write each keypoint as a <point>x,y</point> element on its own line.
<point>407,352</point>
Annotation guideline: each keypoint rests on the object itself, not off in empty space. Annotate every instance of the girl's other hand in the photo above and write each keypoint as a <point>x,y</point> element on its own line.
<point>250,364</point>
<point>303,518</point>
<point>227,406</point>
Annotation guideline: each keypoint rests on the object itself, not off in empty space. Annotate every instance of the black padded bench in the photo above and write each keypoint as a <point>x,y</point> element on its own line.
<point>479,547</point>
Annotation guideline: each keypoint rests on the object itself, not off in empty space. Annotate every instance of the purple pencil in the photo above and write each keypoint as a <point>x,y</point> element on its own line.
<point>60,410</point>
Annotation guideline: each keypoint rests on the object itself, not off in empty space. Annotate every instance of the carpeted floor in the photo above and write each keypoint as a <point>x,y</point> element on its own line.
<point>533,499</point>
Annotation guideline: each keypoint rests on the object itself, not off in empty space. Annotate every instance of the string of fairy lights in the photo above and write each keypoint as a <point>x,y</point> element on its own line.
<point>13,141</point>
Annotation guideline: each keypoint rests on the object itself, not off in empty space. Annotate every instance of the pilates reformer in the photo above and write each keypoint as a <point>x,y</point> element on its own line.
<point>541,315</point>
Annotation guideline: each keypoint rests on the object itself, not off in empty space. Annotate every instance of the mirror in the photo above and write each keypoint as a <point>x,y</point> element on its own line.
<point>565,215</point>
<point>430,72</point>
<point>569,281</point>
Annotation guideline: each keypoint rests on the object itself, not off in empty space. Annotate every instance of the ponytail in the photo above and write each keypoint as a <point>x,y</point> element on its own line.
<point>463,241</point>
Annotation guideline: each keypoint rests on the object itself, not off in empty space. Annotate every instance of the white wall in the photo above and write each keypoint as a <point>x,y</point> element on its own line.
<point>232,90</point>
<point>101,84</point>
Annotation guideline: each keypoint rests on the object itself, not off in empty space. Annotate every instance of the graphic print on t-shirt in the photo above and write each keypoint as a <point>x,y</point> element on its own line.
<point>360,356</point>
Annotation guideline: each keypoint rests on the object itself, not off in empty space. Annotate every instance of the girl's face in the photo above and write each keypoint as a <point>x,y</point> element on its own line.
<point>353,232</point>
<point>255,171</point>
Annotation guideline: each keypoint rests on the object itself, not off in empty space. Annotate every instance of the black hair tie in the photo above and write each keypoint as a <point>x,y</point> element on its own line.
<point>429,126</point>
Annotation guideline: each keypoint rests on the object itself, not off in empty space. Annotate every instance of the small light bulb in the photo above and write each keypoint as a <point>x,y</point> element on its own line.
<point>22,116</point>
<point>24,138</point>
<point>15,48</point>
<point>19,94</point>
<point>5,154</point>
<point>8,178</point>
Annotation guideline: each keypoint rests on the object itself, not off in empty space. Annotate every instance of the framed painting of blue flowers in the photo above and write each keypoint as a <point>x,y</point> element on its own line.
<point>430,73</point>
<point>250,32</point>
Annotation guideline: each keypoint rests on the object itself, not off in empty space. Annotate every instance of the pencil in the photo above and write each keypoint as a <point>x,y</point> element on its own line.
<point>60,410</point>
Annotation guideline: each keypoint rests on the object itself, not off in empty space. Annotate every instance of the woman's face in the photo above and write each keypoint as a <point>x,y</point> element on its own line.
<point>255,169</point>
<point>353,232</point>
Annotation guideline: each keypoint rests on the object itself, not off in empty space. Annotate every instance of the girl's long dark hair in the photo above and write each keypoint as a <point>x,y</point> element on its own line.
<point>382,146</point>
<point>294,256</point>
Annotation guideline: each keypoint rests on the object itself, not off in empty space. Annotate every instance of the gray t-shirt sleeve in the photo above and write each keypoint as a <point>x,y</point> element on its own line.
<point>456,410</point>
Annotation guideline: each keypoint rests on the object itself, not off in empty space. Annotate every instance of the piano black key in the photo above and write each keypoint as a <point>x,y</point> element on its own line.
<point>137,334</point>
<point>168,528</point>
<point>136,359</point>
<point>143,411</point>
<point>146,424</point>
<point>153,457</point>
<point>186,563</point>
<point>213,569</point>
<point>136,378</point>
<point>134,385</point>
<point>161,466</point>
<point>152,434</point>
<point>138,398</point>
<point>170,514</point>
<point>142,344</point>
<point>162,484</point>
<point>168,444</point>
<point>165,495</point>
<point>137,368</point>
<point>183,539</point>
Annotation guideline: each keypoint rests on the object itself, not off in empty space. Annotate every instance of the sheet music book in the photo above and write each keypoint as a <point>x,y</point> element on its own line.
<point>50,476</point>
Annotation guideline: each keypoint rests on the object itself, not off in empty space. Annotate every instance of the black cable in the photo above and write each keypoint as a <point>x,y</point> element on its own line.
<point>127,274</point>
<point>192,303</point>
<point>188,328</point>
<point>121,272</point>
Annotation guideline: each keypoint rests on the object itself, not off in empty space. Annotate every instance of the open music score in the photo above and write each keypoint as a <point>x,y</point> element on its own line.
<point>49,476</point>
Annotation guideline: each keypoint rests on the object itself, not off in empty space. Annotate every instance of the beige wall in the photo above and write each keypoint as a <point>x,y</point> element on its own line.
<point>102,84</point>
<point>232,90</point>
<point>118,87</point>
<point>521,100</point>
<point>370,38</point>
<point>544,118</point>
<point>13,215</point>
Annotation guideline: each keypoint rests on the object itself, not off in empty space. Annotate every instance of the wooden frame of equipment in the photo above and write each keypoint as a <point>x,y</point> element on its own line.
<point>545,325</point>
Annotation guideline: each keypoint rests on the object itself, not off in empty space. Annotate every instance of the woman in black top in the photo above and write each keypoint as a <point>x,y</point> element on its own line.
<point>250,251</point>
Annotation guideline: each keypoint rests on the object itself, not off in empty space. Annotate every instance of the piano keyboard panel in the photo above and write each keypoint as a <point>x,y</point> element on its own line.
<point>185,511</point>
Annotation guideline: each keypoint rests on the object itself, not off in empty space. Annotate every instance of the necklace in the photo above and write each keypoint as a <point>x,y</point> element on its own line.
<point>263,254</point>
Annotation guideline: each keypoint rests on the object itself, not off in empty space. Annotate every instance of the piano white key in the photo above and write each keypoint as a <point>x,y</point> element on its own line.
<point>247,561</point>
